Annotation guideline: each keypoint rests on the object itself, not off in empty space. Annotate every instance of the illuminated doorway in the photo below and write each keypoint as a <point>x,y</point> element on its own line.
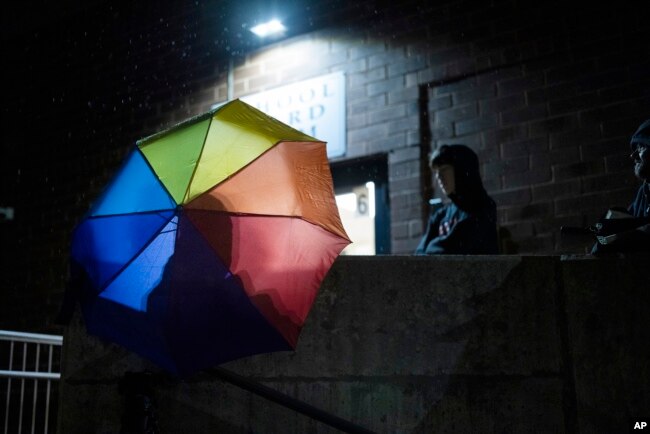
<point>361,188</point>
<point>357,209</point>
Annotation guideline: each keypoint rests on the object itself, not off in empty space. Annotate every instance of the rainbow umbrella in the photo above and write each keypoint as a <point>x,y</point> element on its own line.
<point>211,241</point>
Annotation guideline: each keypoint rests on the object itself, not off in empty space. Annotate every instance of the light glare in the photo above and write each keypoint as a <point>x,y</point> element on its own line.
<point>269,28</point>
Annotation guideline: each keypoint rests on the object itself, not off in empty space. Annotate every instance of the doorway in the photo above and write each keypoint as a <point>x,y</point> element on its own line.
<point>361,189</point>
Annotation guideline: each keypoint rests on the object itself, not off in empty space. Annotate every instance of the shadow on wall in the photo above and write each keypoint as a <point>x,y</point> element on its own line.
<point>507,245</point>
<point>554,368</point>
<point>511,361</point>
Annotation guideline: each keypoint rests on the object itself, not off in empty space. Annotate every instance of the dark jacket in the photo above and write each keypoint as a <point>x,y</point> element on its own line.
<point>629,235</point>
<point>633,233</point>
<point>467,225</point>
<point>641,205</point>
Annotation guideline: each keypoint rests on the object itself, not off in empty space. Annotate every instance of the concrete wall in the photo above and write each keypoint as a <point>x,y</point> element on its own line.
<point>417,345</point>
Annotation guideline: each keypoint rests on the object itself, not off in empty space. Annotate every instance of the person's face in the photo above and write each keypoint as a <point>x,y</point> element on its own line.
<point>641,165</point>
<point>445,177</point>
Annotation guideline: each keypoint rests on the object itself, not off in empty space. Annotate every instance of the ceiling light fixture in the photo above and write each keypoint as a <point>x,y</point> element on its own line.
<point>270,28</point>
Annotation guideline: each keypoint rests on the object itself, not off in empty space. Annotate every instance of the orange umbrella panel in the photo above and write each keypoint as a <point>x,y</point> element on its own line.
<point>291,179</point>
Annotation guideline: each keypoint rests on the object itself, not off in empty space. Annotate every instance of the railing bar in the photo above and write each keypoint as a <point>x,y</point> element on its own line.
<point>34,338</point>
<point>11,360</point>
<point>38,356</point>
<point>22,390</point>
<point>47,395</point>
<point>288,401</point>
<point>34,374</point>
<point>28,375</point>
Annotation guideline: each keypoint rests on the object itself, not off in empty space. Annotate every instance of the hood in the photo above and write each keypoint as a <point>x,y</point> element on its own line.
<point>642,135</point>
<point>470,194</point>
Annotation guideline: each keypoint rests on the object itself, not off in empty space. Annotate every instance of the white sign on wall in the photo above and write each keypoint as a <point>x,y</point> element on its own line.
<point>315,106</point>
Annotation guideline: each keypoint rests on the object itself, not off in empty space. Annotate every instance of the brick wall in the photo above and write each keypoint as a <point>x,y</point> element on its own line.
<point>547,94</point>
<point>548,100</point>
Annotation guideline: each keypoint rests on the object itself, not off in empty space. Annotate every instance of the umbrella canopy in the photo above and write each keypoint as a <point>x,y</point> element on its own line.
<point>211,241</point>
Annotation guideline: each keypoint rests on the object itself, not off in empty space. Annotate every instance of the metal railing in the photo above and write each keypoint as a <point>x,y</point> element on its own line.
<point>27,361</point>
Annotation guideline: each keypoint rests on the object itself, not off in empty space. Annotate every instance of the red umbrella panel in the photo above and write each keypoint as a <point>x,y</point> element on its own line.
<point>211,242</point>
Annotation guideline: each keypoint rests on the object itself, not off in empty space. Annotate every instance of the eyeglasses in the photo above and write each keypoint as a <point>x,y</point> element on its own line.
<point>638,148</point>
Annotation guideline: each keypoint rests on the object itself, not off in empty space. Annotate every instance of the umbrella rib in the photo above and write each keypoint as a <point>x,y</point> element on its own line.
<point>145,141</point>
<point>216,253</point>
<point>232,175</point>
<point>250,162</point>
<point>186,195</point>
<point>126,214</point>
<point>246,214</point>
<point>156,233</point>
<point>144,157</point>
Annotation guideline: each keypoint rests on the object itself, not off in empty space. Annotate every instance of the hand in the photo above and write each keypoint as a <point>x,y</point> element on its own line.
<point>609,239</point>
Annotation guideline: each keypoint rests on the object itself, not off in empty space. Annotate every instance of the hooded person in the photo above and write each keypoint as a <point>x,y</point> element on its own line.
<point>640,146</point>
<point>624,231</point>
<point>467,224</point>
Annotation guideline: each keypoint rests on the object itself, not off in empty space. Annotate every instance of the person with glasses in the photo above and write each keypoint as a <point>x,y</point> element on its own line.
<point>627,231</point>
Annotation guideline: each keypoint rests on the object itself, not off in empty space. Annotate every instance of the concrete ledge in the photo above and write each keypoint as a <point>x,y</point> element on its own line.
<point>608,322</point>
<point>417,345</point>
